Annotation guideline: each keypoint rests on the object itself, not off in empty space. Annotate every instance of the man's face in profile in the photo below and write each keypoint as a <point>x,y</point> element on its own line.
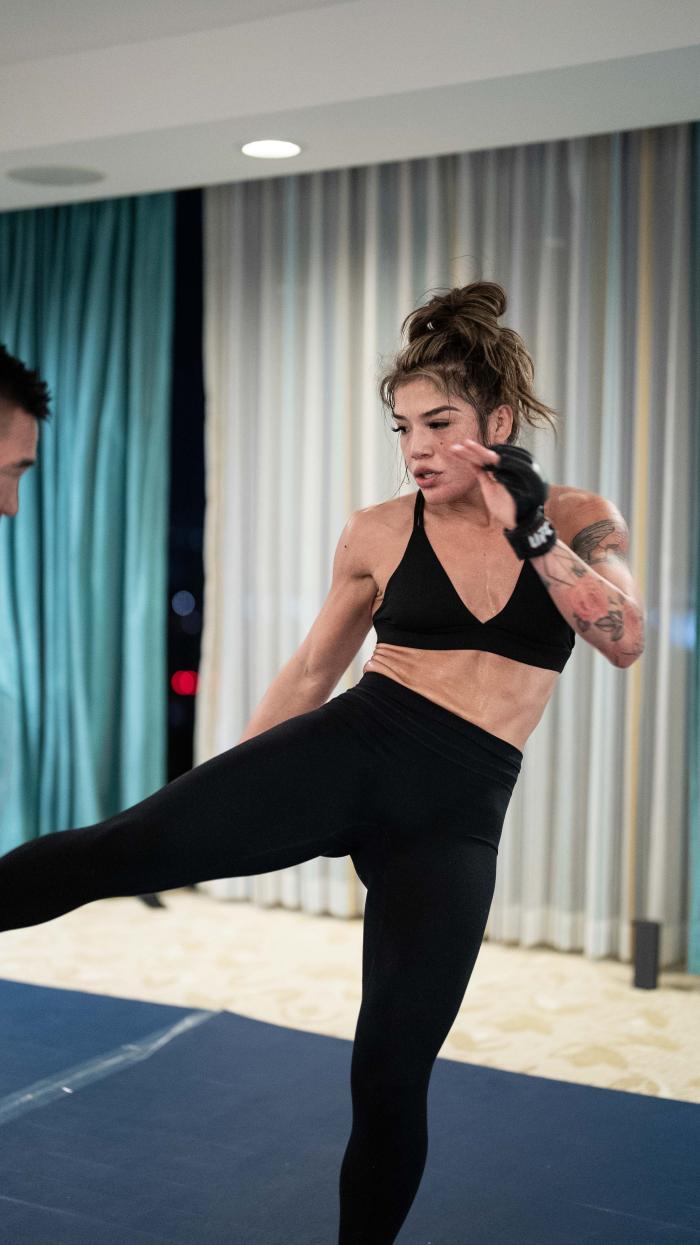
<point>19,437</point>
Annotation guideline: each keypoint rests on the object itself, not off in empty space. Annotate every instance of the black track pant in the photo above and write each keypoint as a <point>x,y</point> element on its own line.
<point>416,796</point>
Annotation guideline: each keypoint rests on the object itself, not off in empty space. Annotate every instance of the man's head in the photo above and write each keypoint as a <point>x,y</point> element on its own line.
<point>24,400</point>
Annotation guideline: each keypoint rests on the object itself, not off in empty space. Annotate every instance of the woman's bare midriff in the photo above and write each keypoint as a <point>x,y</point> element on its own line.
<point>502,696</point>
<point>484,688</point>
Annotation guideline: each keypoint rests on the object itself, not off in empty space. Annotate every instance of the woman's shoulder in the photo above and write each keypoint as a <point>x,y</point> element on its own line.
<point>569,509</point>
<point>560,501</point>
<point>563,500</point>
<point>369,530</point>
<point>563,506</point>
<point>393,513</point>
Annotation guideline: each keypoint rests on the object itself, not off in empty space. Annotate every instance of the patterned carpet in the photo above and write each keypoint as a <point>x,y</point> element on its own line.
<point>534,1011</point>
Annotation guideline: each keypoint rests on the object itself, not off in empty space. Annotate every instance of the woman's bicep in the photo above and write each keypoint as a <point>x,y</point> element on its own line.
<point>345,618</point>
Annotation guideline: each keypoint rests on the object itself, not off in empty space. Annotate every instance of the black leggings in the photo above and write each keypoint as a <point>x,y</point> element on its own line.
<point>416,796</point>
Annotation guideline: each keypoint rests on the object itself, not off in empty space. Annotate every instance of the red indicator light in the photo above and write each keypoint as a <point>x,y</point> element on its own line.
<point>184,682</point>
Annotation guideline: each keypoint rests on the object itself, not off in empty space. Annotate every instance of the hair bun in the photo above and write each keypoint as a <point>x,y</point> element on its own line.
<point>456,343</point>
<point>482,300</point>
<point>461,311</point>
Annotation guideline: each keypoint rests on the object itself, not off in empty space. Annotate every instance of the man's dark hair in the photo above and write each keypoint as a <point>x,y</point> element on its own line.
<point>20,386</point>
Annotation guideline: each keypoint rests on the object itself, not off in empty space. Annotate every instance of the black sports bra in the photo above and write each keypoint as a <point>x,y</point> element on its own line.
<point>422,609</point>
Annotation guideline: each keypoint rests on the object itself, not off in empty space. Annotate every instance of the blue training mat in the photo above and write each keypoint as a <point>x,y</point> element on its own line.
<point>127,1123</point>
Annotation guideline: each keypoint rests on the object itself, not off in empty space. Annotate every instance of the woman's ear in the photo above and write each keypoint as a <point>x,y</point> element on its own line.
<point>501,427</point>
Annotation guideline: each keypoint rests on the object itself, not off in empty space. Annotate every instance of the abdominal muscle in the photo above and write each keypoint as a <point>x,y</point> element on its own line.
<point>502,696</point>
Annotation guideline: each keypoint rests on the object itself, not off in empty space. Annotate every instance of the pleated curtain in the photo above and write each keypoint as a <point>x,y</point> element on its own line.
<point>307,281</point>
<point>693,629</point>
<point>86,296</point>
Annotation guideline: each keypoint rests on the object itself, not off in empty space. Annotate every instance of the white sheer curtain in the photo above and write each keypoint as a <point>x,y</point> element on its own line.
<point>307,281</point>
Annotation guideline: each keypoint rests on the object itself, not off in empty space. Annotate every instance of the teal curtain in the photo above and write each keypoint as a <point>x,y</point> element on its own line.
<point>694,732</point>
<point>86,296</point>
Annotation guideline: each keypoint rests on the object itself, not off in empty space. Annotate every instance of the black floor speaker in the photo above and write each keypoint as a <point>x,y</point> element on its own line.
<point>646,954</point>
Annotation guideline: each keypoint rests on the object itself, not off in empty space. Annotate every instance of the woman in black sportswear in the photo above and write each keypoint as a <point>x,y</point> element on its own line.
<point>411,771</point>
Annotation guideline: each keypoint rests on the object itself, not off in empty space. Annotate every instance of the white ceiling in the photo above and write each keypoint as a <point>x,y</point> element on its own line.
<point>31,29</point>
<point>162,96</point>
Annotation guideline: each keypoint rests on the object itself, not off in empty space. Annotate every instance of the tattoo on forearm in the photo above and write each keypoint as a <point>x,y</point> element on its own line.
<point>596,605</point>
<point>611,622</point>
<point>556,565</point>
<point>598,541</point>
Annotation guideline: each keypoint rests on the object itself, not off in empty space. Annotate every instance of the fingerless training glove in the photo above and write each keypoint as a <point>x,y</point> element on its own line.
<point>518,471</point>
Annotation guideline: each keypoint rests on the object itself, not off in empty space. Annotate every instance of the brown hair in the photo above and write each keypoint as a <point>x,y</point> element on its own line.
<point>468,355</point>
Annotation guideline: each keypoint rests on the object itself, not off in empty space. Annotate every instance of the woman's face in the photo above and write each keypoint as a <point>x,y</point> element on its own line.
<point>428,424</point>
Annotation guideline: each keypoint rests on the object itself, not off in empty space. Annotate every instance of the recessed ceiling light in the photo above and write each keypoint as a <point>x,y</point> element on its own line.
<point>55,175</point>
<point>270,149</point>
